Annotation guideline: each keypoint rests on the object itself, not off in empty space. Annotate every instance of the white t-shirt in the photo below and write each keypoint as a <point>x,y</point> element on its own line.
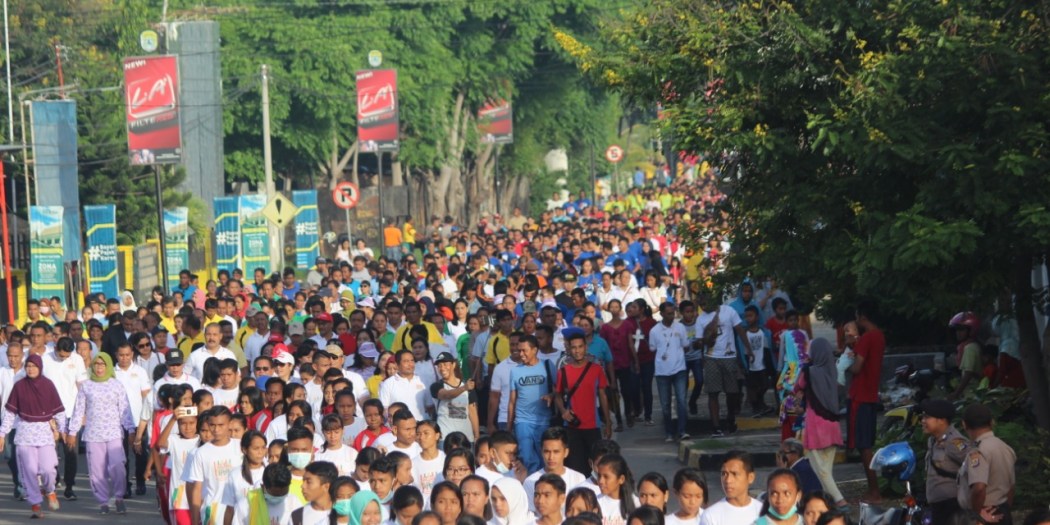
<point>212,466</point>
<point>226,398</point>
<point>135,381</point>
<point>180,451</point>
<point>195,365</point>
<point>728,319</point>
<point>491,475</point>
<point>411,451</point>
<point>310,516</point>
<point>235,493</point>
<point>758,346</point>
<point>253,346</point>
<point>66,375</point>
<point>668,342</point>
<point>571,478</point>
<point>722,513</point>
<point>351,431</point>
<point>343,458</point>
<point>385,441</point>
<point>611,512</point>
<point>8,377</point>
<point>501,382</point>
<point>671,519</point>
<point>277,429</point>
<point>426,471</point>
<point>412,392</point>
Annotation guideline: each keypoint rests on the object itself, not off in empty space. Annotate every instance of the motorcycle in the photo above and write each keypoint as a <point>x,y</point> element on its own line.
<point>896,462</point>
<point>910,388</point>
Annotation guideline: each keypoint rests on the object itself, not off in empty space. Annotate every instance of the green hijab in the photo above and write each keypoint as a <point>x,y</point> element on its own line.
<point>109,368</point>
<point>358,503</point>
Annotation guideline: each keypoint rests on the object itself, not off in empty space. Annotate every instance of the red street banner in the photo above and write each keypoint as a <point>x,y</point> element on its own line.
<point>377,125</point>
<point>151,95</point>
<point>496,123</point>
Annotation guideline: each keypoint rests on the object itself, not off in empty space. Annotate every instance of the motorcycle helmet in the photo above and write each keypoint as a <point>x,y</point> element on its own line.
<point>896,460</point>
<point>965,320</point>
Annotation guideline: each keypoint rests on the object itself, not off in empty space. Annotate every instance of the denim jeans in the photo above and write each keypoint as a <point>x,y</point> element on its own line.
<point>696,367</point>
<point>645,390</point>
<point>678,381</point>
<point>529,436</point>
<point>627,380</point>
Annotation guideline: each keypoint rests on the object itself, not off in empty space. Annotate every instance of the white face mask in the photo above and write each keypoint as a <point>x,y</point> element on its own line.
<point>299,460</point>
<point>273,500</point>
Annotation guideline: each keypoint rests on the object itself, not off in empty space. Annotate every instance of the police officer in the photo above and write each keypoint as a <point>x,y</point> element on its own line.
<point>945,452</point>
<point>986,479</point>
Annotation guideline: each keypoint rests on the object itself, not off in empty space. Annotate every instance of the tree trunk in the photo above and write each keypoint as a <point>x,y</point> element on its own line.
<point>1034,356</point>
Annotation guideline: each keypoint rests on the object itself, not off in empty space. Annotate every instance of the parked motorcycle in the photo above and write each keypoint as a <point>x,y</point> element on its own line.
<point>897,462</point>
<point>910,388</point>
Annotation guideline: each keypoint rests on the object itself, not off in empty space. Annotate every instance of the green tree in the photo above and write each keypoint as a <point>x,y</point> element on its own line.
<point>888,149</point>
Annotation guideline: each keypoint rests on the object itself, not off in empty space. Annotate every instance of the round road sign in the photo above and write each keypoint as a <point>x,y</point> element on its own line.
<point>614,154</point>
<point>345,195</point>
<point>375,58</point>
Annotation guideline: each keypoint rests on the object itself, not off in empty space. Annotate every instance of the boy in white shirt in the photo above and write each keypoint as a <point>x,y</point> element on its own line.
<point>738,473</point>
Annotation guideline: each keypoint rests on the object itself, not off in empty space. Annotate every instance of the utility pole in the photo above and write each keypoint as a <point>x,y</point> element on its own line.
<point>58,59</point>
<point>160,228</point>
<point>276,248</point>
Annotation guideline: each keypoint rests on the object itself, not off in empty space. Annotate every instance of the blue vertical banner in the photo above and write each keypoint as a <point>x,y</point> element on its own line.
<point>306,228</point>
<point>177,243</point>
<point>54,126</point>
<point>227,233</point>
<point>101,223</point>
<point>45,251</point>
<point>255,234</point>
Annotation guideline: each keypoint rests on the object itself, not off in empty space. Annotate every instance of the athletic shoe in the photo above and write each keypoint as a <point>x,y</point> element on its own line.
<point>52,501</point>
<point>619,428</point>
<point>140,490</point>
<point>683,437</point>
<point>650,423</point>
<point>122,508</point>
<point>717,433</point>
<point>669,439</point>
<point>37,513</point>
<point>692,408</point>
<point>69,494</point>
<point>103,509</point>
<point>18,495</point>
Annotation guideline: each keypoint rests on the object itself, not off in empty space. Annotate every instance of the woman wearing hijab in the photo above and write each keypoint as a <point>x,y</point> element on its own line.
<point>822,433</point>
<point>365,508</point>
<point>35,410</point>
<point>510,504</point>
<point>127,301</point>
<point>103,410</point>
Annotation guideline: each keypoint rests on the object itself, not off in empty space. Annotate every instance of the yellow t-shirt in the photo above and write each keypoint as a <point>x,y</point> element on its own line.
<point>186,344</point>
<point>402,342</point>
<point>408,234</point>
<point>498,349</point>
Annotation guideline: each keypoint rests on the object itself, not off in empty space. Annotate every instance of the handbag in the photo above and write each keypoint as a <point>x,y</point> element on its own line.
<point>556,420</point>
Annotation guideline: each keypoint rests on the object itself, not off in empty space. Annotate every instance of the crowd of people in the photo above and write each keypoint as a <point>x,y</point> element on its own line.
<point>463,375</point>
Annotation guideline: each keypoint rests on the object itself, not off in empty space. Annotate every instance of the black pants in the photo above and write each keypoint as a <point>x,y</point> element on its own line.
<point>140,461</point>
<point>12,462</point>
<point>580,441</point>
<point>69,464</point>
<point>942,511</point>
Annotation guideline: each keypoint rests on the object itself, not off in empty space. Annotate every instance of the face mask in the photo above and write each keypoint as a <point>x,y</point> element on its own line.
<point>273,500</point>
<point>501,468</point>
<point>342,507</point>
<point>389,496</point>
<point>299,460</point>
<point>787,515</point>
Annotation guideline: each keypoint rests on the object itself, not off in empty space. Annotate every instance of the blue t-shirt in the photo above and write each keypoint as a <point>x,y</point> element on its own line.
<point>530,382</point>
<point>599,348</point>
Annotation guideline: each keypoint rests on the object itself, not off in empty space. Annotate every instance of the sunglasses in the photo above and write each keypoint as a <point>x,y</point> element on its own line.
<point>146,345</point>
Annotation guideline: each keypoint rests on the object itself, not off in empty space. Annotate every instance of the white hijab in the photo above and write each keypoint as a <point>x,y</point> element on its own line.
<point>517,501</point>
<point>125,307</point>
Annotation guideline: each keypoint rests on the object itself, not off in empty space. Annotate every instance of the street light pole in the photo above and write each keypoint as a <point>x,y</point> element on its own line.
<point>276,247</point>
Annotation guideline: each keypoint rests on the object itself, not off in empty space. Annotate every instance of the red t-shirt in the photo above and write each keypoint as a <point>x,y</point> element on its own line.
<point>584,401</point>
<point>367,437</point>
<point>775,326</point>
<point>865,387</point>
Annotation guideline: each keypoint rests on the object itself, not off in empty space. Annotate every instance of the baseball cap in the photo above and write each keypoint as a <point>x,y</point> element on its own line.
<point>174,357</point>
<point>320,260</point>
<point>251,311</point>
<point>939,408</point>
<point>158,329</point>
<point>296,328</point>
<point>276,338</point>
<point>323,317</point>
<point>333,350</point>
<point>367,302</point>
<point>528,307</point>
<point>368,350</point>
<point>281,354</point>
<point>324,292</point>
<point>444,357</point>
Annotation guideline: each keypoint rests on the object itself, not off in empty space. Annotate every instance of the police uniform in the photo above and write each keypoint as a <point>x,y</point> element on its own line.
<point>989,461</point>
<point>944,457</point>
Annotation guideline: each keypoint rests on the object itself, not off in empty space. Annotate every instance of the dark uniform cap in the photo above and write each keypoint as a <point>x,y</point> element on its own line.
<point>939,408</point>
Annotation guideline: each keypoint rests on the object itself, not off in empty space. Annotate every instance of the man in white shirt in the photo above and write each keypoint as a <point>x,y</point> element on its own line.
<point>212,466</point>
<point>176,374</point>
<point>254,343</point>
<point>9,375</point>
<point>738,473</point>
<point>407,388</point>
<point>554,448</point>
<point>669,341</point>
<point>499,388</point>
<point>212,348</point>
<point>722,364</point>
<point>137,384</point>
<point>67,372</point>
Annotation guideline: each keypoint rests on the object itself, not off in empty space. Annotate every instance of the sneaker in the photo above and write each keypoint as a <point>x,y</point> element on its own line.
<point>669,439</point>
<point>650,423</point>
<point>52,501</point>
<point>128,493</point>
<point>683,437</point>
<point>692,408</point>
<point>18,495</point>
<point>104,509</point>
<point>732,428</point>
<point>619,428</point>
<point>69,494</point>
<point>37,513</point>
<point>122,508</point>
<point>140,490</point>
<point>717,433</point>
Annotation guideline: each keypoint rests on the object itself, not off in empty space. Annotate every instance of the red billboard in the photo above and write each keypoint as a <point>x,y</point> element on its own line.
<point>377,125</point>
<point>496,123</point>
<point>151,96</point>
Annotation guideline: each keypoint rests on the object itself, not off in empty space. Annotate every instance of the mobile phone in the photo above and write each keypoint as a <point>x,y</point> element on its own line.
<point>187,412</point>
